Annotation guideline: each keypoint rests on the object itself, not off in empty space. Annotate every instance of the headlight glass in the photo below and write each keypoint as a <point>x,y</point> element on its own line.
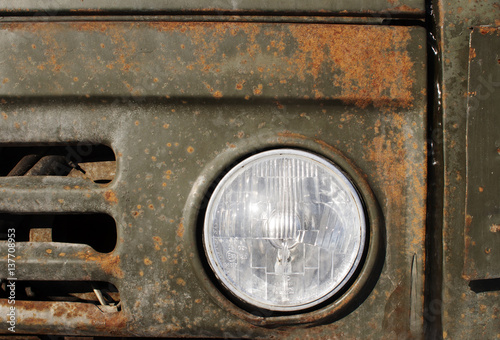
<point>284,230</point>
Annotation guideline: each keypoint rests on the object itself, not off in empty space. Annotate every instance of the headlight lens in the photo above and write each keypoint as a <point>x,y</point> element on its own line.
<point>284,230</point>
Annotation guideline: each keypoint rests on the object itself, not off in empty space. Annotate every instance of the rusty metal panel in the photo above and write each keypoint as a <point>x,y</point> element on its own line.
<point>385,7</point>
<point>467,309</point>
<point>482,233</point>
<point>211,60</point>
<point>180,102</point>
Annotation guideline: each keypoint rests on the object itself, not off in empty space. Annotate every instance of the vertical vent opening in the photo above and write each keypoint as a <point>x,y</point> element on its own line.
<point>95,230</point>
<point>94,162</point>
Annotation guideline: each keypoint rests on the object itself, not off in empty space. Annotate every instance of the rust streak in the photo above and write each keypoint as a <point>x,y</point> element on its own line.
<point>111,196</point>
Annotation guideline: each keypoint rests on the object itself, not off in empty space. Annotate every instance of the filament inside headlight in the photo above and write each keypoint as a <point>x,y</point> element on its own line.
<point>284,230</point>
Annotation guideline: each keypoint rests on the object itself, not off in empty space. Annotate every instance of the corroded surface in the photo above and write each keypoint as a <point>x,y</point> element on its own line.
<point>177,101</point>
<point>218,60</point>
<point>475,310</point>
<point>482,243</point>
<point>63,317</point>
<point>374,7</point>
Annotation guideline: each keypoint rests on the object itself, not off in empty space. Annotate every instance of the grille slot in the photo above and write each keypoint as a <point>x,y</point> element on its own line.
<point>95,162</point>
<point>95,230</point>
<point>69,291</point>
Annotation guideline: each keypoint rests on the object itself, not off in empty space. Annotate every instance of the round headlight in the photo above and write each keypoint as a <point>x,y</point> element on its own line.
<point>284,230</point>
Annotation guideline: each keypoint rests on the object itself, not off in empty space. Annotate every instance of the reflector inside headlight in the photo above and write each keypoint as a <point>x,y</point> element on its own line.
<point>284,230</point>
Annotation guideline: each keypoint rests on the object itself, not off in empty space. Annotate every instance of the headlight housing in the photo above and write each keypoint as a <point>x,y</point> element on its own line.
<point>284,230</point>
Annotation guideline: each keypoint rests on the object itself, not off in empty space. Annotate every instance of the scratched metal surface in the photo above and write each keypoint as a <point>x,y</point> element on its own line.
<point>469,308</point>
<point>179,102</point>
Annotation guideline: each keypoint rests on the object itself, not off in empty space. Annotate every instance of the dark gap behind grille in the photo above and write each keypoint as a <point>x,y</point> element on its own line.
<point>95,230</point>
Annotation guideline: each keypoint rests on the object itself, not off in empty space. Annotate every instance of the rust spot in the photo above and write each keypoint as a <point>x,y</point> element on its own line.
<point>481,189</point>
<point>180,230</point>
<point>147,261</point>
<point>487,30</point>
<point>158,242</point>
<point>258,90</point>
<point>239,86</point>
<point>472,53</point>
<point>468,220</point>
<point>110,196</point>
<point>180,282</point>
<point>190,149</point>
<point>495,228</point>
<point>217,94</point>
<point>5,80</point>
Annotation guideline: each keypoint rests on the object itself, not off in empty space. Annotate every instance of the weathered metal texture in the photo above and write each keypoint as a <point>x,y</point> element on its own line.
<point>385,7</point>
<point>482,221</point>
<point>475,307</point>
<point>66,318</point>
<point>175,100</point>
<point>209,60</point>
